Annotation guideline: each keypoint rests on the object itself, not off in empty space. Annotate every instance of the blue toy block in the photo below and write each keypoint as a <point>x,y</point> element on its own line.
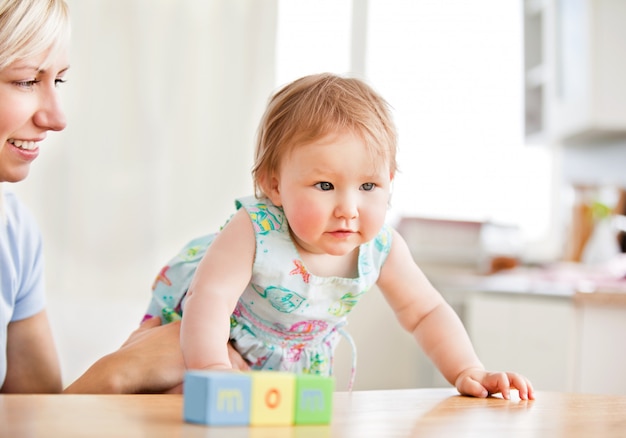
<point>217,398</point>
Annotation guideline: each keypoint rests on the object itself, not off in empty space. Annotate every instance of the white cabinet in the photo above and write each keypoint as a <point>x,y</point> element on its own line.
<point>575,65</point>
<point>532,335</point>
<point>602,349</point>
<point>560,343</point>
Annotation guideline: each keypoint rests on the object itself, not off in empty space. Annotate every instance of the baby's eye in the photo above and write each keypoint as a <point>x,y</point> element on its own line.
<point>368,186</point>
<point>324,185</point>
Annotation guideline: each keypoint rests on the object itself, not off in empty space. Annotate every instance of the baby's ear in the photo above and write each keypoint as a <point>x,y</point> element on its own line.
<point>271,187</point>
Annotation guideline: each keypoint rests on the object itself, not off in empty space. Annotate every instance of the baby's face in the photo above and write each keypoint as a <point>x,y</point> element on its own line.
<point>334,193</point>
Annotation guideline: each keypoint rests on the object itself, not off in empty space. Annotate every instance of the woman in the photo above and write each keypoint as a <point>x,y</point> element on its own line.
<point>34,38</point>
<point>33,61</point>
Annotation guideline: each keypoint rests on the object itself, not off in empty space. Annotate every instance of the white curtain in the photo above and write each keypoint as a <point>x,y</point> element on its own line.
<point>163,100</point>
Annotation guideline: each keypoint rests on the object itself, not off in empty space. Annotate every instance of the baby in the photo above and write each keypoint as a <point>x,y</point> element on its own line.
<point>280,278</point>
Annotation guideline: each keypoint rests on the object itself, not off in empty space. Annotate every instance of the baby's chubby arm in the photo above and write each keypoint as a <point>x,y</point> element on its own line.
<point>423,312</point>
<point>219,281</point>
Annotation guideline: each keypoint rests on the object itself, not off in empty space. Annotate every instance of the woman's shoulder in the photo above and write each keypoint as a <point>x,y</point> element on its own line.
<point>16,217</point>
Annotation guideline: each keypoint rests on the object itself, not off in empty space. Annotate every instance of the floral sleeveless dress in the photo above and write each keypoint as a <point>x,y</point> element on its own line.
<point>287,318</point>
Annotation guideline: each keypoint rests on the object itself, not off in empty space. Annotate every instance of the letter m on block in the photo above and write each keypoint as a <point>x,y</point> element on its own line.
<point>217,398</point>
<point>229,400</point>
<point>312,400</point>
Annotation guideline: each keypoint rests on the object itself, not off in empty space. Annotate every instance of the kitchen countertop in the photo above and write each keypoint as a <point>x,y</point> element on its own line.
<point>585,285</point>
<point>438,412</point>
<point>600,298</point>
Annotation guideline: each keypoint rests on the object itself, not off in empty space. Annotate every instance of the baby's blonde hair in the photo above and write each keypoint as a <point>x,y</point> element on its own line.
<point>314,106</point>
<point>30,28</point>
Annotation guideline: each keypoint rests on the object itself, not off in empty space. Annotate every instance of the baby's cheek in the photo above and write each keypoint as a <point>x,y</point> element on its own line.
<point>305,220</point>
<point>304,223</point>
<point>371,223</point>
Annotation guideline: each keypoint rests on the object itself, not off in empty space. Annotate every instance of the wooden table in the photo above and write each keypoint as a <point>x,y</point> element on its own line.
<point>376,414</point>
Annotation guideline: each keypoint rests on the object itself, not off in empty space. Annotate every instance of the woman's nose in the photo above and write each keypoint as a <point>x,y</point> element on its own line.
<point>50,115</point>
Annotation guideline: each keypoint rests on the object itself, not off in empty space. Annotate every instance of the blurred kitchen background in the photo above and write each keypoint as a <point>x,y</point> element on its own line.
<point>512,133</point>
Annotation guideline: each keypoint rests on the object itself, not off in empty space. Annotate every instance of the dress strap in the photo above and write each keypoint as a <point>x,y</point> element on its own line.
<point>348,338</point>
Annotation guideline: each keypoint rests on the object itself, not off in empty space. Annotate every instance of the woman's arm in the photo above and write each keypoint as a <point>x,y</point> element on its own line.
<point>149,361</point>
<point>32,361</point>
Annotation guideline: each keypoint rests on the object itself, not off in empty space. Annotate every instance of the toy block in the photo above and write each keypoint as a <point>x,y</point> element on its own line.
<point>273,398</point>
<point>217,398</point>
<point>314,399</point>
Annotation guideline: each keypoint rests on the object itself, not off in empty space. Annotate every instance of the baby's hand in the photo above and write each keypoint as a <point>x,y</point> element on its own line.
<point>480,383</point>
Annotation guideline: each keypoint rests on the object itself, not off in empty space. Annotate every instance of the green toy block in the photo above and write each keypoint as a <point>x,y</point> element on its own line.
<point>314,399</point>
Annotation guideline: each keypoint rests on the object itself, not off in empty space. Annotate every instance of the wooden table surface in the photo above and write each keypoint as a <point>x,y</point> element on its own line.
<point>376,414</point>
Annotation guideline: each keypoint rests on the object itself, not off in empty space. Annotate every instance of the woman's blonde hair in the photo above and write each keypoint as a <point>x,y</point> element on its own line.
<point>31,27</point>
<point>314,106</point>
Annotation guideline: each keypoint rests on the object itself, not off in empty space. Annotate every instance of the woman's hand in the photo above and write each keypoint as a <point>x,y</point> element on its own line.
<point>150,361</point>
<point>238,362</point>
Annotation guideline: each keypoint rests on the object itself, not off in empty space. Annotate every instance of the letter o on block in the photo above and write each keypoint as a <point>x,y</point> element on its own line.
<point>273,401</point>
<point>272,398</point>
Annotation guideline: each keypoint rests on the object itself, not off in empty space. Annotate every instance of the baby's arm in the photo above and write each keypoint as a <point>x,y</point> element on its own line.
<point>221,277</point>
<point>423,312</point>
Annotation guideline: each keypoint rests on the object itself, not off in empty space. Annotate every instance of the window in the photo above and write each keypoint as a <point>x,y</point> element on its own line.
<point>312,37</point>
<point>452,71</point>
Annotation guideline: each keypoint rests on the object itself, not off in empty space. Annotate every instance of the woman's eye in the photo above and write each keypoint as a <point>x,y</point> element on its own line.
<point>324,186</point>
<point>27,84</point>
<point>368,186</point>
<point>59,81</point>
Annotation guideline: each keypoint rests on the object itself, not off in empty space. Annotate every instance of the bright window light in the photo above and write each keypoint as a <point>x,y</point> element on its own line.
<point>312,37</point>
<point>452,71</point>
